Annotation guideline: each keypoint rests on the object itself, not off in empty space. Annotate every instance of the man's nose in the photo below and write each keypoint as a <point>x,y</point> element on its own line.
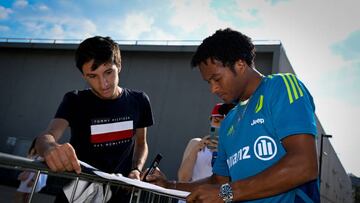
<point>214,88</point>
<point>104,83</point>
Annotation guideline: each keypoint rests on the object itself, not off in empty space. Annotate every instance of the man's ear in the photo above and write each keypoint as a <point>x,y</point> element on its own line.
<point>240,66</point>
<point>119,69</point>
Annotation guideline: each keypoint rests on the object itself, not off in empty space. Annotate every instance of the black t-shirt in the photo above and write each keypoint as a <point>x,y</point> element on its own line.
<point>102,131</point>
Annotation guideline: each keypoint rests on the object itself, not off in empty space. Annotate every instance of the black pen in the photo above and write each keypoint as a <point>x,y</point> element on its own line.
<point>153,166</point>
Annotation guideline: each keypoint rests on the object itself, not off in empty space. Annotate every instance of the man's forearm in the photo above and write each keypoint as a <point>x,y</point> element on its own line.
<point>186,186</point>
<point>140,156</point>
<point>51,135</point>
<point>43,142</point>
<point>140,149</point>
<point>297,167</point>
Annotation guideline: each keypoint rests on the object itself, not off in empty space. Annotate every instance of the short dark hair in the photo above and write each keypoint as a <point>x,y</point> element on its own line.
<point>226,46</point>
<point>101,49</point>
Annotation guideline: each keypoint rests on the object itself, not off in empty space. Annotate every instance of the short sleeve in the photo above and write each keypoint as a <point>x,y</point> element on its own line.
<point>146,116</point>
<point>291,106</point>
<point>67,106</point>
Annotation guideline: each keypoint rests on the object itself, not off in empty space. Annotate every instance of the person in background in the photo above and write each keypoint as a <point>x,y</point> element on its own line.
<point>198,155</point>
<point>27,178</point>
<point>267,143</point>
<point>108,123</point>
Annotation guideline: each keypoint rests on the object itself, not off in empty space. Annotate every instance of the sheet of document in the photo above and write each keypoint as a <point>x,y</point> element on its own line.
<point>137,183</point>
<point>141,184</point>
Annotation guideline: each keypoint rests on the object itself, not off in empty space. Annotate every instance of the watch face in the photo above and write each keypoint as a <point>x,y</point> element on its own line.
<point>225,189</point>
<point>226,192</point>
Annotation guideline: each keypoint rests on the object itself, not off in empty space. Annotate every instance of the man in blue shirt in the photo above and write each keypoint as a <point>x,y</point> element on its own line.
<point>267,149</point>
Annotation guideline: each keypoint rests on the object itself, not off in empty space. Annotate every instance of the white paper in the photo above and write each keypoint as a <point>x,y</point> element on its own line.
<point>137,183</point>
<point>141,184</point>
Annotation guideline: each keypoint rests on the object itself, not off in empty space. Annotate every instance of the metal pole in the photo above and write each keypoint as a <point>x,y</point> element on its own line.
<point>33,189</point>
<point>132,194</point>
<point>107,188</point>
<point>321,154</point>
<point>320,158</point>
<point>74,189</point>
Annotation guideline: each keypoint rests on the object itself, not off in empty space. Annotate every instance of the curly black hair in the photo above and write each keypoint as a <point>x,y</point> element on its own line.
<point>101,49</point>
<point>226,46</point>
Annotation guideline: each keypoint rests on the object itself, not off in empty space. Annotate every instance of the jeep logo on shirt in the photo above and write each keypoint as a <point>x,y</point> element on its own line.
<point>258,121</point>
<point>265,148</point>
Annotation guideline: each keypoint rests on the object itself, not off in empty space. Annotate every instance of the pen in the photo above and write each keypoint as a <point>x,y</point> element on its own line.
<point>153,166</point>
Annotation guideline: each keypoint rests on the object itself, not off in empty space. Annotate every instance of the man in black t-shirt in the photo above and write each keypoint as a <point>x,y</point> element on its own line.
<point>108,122</point>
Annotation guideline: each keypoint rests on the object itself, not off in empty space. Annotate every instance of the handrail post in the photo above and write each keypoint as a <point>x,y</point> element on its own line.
<point>74,190</point>
<point>107,187</point>
<point>37,175</point>
<point>321,154</point>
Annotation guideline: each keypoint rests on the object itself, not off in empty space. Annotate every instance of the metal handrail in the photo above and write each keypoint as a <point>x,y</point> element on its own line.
<point>10,161</point>
<point>21,163</point>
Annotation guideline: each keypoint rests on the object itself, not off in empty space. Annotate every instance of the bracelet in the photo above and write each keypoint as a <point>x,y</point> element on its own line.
<point>136,169</point>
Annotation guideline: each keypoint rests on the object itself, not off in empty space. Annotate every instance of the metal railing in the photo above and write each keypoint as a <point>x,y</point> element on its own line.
<point>138,195</point>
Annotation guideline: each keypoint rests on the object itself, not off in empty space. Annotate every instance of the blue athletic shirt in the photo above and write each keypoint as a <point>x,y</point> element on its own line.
<point>250,135</point>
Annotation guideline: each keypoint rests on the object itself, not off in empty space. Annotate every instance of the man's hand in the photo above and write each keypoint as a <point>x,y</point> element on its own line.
<point>62,157</point>
<point>158,178</point>
<point>134,174</point>
<point>205,193</point>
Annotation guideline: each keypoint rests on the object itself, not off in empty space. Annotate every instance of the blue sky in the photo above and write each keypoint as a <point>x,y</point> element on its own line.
<point>321,39</point>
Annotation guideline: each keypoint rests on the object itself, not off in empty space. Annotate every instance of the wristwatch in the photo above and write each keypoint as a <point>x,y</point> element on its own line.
<point>226,193</point>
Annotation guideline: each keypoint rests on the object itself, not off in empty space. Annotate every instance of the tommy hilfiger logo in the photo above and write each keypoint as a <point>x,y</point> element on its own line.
<point>111,132</point>
<point>109,120</point>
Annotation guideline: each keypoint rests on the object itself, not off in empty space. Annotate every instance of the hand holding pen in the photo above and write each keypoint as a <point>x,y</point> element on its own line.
<point>153,166</point>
